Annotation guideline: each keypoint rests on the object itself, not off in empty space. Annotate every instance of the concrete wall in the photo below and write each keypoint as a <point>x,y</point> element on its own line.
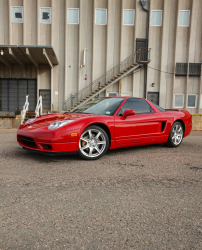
<point>107,45</point>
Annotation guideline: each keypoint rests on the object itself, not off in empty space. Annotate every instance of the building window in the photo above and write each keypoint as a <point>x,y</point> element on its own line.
<point>181,69</point>
<point>45,15</point>
<point>112,94</point>
<point>179,101</point>
<point>192,101</point>
<point>128,17</point>
<point>156,17</point>
<point>184,18</point>
<point>101,16</point>
<point>17,14</point>
<point>73,16</point>
<point>123,93</point>
<point>194,69</point>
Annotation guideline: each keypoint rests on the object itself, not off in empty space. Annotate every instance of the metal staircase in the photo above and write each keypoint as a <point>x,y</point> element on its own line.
<point>131,63</point>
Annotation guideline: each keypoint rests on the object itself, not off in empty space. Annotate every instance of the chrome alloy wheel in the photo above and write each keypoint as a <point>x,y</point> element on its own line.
<point>177,134</point>
<point>92,143</point>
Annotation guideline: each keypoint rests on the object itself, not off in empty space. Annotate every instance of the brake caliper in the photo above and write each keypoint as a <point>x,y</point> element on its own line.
<point>83,142</point>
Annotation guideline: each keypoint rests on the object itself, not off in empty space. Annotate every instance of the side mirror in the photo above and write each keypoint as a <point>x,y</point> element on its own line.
<point>128,112</point>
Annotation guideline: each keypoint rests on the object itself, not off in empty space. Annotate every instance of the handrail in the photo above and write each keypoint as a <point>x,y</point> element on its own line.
<point>39,107</point>
<point>106,77</point>
<point>25,109</point>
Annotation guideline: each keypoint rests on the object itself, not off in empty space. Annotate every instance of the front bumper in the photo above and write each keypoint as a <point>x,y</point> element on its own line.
<point>50,142</point>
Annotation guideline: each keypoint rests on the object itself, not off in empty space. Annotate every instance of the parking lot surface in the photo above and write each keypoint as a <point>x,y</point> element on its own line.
<point>147,197</point>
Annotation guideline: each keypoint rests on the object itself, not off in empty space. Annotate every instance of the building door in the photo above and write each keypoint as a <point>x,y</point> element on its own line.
<point>153,97</point>
<point>141,49</point>
<point>13,93</point>
<point>46,98</point>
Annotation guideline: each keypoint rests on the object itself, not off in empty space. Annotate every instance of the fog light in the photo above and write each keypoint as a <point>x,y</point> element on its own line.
<point>47,146</point>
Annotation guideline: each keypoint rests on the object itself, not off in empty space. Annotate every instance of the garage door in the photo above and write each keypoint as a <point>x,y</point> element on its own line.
<point>13,94</point>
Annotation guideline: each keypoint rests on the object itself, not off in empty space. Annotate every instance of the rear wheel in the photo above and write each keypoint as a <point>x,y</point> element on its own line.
<point>93,143</point>
<point>176,135</point>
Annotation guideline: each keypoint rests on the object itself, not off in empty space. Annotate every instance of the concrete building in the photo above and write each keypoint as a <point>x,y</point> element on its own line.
<point>42,43</point>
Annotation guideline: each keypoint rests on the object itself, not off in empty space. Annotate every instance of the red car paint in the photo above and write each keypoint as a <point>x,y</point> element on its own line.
<point>134,130</point>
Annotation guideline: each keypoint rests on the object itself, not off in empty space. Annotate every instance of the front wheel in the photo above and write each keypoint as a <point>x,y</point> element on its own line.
<point>93,143</point>
<point>176,135</point>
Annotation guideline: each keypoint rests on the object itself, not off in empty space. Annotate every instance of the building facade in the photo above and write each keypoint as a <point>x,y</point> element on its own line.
<point>54,48</point>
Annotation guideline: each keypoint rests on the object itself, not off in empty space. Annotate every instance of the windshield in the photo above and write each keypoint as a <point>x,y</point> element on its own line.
<point>101,106</point>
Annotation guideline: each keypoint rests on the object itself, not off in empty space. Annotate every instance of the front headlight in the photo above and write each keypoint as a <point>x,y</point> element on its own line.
<point>59,124</point>
<point>30,120</point>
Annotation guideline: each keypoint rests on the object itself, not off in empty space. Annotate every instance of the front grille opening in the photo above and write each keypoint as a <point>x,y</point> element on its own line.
<point>28,141</point>
<point>47,146</point>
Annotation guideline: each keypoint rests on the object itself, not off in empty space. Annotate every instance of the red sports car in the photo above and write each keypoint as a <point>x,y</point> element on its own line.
<point>105,123</point>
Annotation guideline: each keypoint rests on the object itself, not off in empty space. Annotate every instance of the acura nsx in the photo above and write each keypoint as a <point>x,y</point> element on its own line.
<point>103,124</point>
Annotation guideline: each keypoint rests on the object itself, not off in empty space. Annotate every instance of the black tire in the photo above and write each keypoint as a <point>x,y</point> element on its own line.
<point>176,135</point>
<point>93,143</point>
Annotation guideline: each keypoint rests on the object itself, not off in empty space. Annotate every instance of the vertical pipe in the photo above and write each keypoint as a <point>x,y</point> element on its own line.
<point>145,67</point>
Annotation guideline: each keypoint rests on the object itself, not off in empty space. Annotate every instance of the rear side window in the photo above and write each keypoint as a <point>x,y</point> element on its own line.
<point>140,106</point>
<point>159,108</point>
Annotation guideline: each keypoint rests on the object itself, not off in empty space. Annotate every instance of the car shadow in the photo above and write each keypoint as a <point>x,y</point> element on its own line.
<point>135,148</point>
<point>42,158</point>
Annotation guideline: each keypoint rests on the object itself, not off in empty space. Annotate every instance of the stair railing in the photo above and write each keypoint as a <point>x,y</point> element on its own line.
<point>100,82</point>
<point>39,107</point>
<point>25,109</point>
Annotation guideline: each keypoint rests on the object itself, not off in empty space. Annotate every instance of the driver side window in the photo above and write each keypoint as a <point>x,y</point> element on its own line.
<point>140,106</point>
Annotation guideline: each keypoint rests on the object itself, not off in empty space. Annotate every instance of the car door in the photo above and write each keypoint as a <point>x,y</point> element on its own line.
<point>140,127</point>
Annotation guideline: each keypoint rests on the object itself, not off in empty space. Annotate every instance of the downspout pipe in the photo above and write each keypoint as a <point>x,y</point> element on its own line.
<point>147,30</point>
<point>147,37</point>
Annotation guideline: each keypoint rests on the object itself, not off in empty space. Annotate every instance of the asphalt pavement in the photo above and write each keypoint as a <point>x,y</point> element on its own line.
<point>147,197</point>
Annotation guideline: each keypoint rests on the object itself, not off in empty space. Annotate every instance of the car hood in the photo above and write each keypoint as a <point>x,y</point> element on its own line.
<point>45,120</point>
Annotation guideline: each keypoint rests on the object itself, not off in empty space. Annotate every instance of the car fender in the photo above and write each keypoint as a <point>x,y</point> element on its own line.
<point>80,125</point>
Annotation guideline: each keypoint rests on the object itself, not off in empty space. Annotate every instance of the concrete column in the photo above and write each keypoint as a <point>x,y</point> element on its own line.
<point>175,58</point>
<point>38,22</point>
<point>93,54</point>
<point>166,15</point>
<point>110,39</point>
<point>55,45</point>
<point>199,106</point>
<point>83,10</point>
<point>10,23</point>
<point>193,82</point>
<point>66,66</point>
<point>24,21</point>
<point>2,21</point>
<point>138,30</point>
<point>62,42</point>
